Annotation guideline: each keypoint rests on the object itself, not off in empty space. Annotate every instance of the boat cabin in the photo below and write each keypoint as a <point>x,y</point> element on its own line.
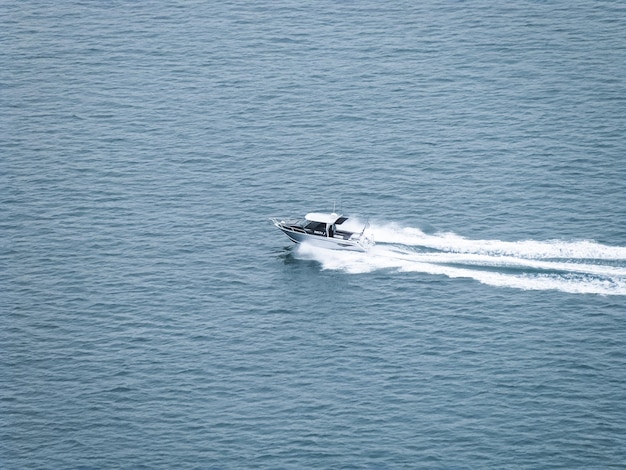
<point>325,230</point>
<point>323,224</point>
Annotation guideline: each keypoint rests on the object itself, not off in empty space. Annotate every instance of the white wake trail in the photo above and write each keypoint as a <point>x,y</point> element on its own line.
<point>567,266</point>
<point>550,249</point>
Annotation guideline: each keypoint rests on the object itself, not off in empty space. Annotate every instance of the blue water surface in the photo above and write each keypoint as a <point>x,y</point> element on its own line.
<point>152,317</point>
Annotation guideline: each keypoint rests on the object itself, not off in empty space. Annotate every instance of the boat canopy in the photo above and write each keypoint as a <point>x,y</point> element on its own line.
<point>323,217</point>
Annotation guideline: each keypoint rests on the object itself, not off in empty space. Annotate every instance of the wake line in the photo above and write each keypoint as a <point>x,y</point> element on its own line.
<point>512,262</point>
<point>576,267</point>
<point>533,249</point>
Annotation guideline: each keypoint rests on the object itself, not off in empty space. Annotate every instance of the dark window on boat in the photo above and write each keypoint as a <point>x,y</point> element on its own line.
<point>341,220</point>
<point>316,226</point>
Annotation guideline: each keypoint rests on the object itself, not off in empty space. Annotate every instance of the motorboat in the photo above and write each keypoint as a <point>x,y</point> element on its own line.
<point>326,231</point>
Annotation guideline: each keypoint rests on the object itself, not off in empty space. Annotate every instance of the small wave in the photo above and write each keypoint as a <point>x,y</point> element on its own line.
<point>568,266</point>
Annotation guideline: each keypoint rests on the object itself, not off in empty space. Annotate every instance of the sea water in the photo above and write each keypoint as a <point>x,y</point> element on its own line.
<point>152,317</point>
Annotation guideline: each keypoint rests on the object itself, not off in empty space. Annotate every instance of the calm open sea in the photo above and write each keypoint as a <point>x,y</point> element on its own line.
<point>152,317</point>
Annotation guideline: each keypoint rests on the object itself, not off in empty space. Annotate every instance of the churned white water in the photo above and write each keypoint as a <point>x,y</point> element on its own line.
<point>576,267</point>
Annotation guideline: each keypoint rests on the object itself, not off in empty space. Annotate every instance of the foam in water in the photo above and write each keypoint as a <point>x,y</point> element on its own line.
<point>569,266</point>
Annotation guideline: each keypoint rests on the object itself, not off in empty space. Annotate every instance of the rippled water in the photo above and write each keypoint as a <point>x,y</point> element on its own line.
<point>152,315</point>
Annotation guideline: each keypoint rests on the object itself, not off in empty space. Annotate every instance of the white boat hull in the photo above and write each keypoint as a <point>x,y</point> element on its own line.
<point>324,242</point>
<point>323,237</point>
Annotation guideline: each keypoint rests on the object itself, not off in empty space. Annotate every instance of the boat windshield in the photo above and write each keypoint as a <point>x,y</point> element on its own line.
<point>316,226</point>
